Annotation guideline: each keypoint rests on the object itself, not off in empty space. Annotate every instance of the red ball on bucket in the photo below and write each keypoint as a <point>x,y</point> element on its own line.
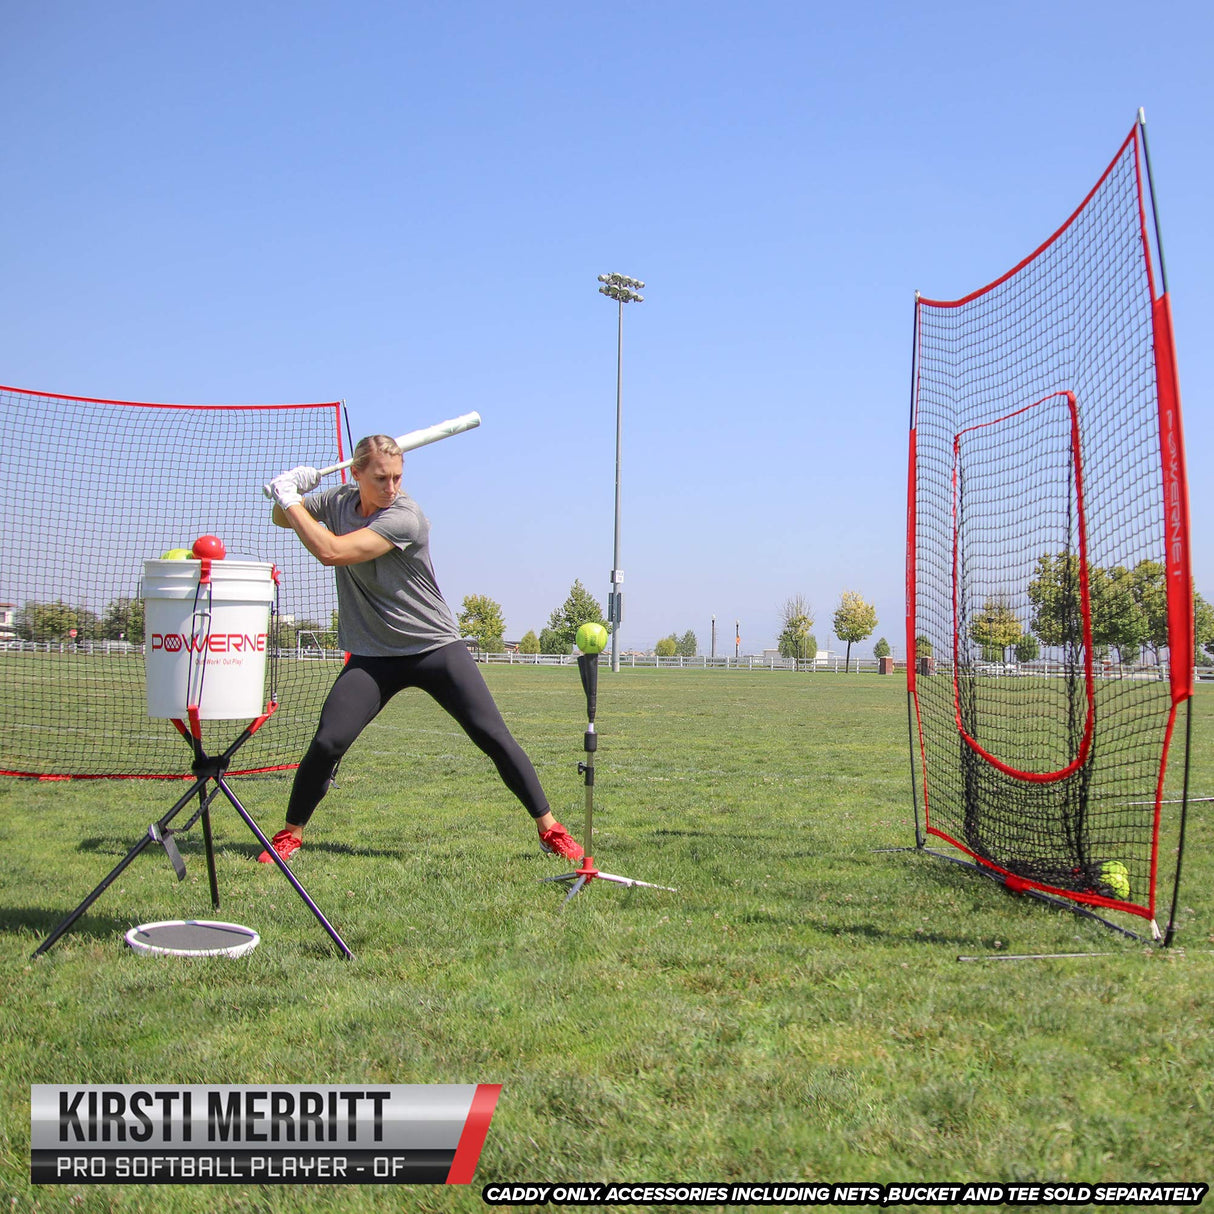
<point>209,546</point>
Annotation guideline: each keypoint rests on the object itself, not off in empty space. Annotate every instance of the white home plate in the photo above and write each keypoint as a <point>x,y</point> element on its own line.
<point>193,938</point>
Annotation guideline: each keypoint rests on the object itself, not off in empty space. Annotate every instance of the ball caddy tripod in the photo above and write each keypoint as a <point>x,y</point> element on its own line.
<point>206,769</point>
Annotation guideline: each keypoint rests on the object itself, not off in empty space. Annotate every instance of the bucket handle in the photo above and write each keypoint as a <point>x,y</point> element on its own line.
<point>198,656</point>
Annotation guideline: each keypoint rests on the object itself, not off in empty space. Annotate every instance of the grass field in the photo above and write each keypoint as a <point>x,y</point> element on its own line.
<point>797,1010</point>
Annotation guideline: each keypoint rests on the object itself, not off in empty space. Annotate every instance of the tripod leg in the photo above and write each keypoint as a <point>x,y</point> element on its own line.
<point>283,868</point>
<point>150,837</point>
<point>575,890</point>
<point>210,856</point>
<point>204,810</point>
<point>105,884</point>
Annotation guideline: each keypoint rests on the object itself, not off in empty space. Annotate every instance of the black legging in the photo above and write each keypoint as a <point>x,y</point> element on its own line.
<point>366,684</point>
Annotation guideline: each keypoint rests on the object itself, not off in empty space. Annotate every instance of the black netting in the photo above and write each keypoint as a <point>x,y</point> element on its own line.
<point>1040,621</point>
<point>90,490</point>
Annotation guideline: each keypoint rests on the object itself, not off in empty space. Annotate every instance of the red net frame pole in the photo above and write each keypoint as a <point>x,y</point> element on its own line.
<point>1180,604</point>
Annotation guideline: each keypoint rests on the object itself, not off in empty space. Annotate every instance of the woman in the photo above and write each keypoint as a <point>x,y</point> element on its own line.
<point>398,630</point>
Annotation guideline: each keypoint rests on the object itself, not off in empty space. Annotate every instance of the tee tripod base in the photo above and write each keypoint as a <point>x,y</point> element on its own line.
<point>588,666</point>
<point>581,877</point>
<point>206,769</point>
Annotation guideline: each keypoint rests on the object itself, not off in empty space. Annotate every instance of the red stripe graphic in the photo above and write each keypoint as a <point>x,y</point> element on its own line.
<point>476,1128</point>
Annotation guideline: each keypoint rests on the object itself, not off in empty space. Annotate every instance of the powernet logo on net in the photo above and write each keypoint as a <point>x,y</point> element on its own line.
<point>280,1134</point>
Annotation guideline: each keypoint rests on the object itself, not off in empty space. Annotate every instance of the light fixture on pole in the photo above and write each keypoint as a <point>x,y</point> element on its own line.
<point>714,636</point>
<point>623,290</point>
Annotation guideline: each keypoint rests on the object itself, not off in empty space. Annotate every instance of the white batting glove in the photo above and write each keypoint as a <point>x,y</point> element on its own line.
<point>306,479</point>
<point>285,491</point>
<point>303,478</point>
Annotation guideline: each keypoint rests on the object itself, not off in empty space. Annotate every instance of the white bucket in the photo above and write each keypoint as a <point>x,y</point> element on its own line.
<point>206,647</point>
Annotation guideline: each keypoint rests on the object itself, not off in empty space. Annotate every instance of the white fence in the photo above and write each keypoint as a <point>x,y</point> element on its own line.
<point>832,665</point>
<point>100,648</point>
<point>699,662</point>
<point>312,652</point>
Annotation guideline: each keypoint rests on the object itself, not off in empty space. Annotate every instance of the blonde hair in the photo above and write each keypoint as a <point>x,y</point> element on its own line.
<point>373,444</point>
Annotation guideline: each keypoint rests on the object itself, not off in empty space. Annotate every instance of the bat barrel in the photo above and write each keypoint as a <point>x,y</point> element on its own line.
<point>423,437</point>
<point>413,440</point>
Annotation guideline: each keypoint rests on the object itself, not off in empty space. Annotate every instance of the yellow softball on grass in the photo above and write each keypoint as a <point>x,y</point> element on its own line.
<point>1116,878</point>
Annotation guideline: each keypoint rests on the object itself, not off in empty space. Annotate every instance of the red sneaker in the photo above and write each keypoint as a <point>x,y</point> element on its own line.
<point>284,843</point>
<point>559,842</point>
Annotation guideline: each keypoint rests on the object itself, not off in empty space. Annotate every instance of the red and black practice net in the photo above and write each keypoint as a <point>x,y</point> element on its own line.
<point>1049,598</point>
<point>89,489</point>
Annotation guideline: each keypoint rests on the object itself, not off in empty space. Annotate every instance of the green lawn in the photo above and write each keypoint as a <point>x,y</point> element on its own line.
<point>796,1010</point>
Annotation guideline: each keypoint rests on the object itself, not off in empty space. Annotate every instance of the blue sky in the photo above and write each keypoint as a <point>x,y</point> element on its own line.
<point>407,205</point>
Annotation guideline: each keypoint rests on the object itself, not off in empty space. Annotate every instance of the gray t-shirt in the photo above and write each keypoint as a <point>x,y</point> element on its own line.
<point>390,606</point>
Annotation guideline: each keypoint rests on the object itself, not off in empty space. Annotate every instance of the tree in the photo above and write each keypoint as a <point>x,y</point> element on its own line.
<point>1054,594</point>
<point>552,642</point>
<point>530,642</point>
<point>481,619</point>
<point>854,621</point>
<point>1117,617</point>
<point>1148,580</point>
<point>807,647</point>
<point>1027,649</point>
<point>795,639</point>
<point>285,635</point>
<point>123,620</point>
<point>996,628</point>
<point>881,648</point>
<point>687,645</point>
<point>579,608</point>
<point>667,647</point>
<point>923,646</point>
<point>54,621</point>
<point>1203,631</point>
<point>1129,607</point>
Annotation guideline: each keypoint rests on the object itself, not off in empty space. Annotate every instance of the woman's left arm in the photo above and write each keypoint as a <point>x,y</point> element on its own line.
<point>329,549</point>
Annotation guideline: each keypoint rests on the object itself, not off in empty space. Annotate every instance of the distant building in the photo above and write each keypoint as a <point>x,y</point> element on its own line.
<point>7,630</point>
<point>824,657</point>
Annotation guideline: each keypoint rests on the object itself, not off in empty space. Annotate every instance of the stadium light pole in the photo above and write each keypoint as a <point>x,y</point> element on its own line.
<point>623,290</point>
